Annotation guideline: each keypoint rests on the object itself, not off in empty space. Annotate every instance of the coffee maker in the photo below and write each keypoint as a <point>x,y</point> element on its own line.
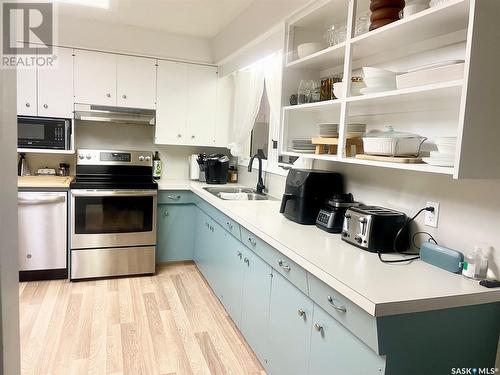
<point>216,168</point>
<point>306,191</point>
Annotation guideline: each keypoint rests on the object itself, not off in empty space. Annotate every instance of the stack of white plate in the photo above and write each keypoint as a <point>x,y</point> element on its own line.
<point>377,80</point>
<point>302,145</point>
<point>445,156</point>
<point>358,129</point>
<point>326,129</point>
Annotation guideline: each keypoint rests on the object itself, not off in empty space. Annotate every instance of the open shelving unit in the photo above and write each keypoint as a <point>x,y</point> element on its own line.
<point>465,108</point>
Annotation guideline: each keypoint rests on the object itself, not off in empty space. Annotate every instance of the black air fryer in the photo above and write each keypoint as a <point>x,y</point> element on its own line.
<point>216,167</point>
<point>306,191</point>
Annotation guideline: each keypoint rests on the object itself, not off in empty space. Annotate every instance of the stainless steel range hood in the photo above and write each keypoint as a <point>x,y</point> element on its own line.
<point>121,115</point>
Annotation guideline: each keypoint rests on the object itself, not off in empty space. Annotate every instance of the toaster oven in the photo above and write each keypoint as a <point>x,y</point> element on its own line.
<point>375,229</point>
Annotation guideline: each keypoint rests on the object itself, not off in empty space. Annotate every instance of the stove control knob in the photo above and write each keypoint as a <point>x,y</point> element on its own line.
<point>358,239</point>
<point>81,156</point>
<point>148,158</point>
<point>88,156</point>
<point>141,158</point>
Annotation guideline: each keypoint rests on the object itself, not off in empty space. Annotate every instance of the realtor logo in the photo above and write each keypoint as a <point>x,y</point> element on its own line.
<point>28,32</point>
<point>31,23</point>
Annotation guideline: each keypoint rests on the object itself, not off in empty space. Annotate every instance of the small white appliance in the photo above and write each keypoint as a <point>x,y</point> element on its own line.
<point>194,168</point>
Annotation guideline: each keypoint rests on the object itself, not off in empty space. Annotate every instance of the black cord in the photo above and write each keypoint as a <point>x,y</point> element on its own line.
<point>398,234</point>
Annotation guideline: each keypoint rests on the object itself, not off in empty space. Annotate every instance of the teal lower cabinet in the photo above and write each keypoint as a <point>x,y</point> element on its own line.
<point>255,304</point>
<point>230,274</point>
<point>175,240</point>
<point>290,323</point>
<point>298,325</point>
<point>336,351</point>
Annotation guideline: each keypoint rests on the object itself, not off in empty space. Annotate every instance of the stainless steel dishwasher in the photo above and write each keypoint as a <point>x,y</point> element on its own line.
<point>43,241</point>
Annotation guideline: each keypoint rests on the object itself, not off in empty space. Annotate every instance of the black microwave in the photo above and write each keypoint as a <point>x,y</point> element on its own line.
<point>43,133</point>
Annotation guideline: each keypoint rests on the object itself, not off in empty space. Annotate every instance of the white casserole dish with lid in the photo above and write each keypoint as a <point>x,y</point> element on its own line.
<point>392,143</point>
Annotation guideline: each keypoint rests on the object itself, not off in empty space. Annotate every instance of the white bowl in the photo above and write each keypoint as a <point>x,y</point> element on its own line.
<point>369,72</point>
<point>337,89</point>
<point>306,49</point>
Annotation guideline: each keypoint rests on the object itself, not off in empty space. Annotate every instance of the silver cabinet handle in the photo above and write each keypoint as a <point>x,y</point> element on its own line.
<point>252,241</point>
<point>335,306</point>
<point>318,327</point>
<point>28,105</point>
<point>108,95</point>
<point>285,266</point>
<point>192,137</point>
<point>179,135</point>
<point>247,261</point>
<point>174,198</point>
<point>301,313</point>
<point>45,106</point>
<point>24,201</point>
<point>124,96</point>
<point>229,225</point>
<point>238,253</point>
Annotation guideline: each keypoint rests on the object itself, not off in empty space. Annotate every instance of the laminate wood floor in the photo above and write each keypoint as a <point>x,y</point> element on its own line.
<point>170,323</point>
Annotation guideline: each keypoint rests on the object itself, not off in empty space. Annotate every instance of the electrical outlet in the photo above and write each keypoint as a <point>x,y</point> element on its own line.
<point>431,218</point>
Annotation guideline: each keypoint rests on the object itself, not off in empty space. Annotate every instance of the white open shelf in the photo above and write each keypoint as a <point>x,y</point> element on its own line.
<point>432,97</point>
<point>43,151</point>
<point>456,30</point>
<point>324,59</point>
<point>431,23</point>
<point>409,167</point>
<point>315,107</point>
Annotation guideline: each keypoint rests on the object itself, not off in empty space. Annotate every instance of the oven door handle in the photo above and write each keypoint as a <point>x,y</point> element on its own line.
<point>114,193</point>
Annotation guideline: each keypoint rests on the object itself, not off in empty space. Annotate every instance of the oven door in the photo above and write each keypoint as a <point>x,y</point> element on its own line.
<point>113,218</point>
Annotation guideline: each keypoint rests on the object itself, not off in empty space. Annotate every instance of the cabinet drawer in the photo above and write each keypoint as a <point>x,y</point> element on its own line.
<point>226,222</point>
<point>289,269</point>
<point>175,196</point>
<point>350,315</point>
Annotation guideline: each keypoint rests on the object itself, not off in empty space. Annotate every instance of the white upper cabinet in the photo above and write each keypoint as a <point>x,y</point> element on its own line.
<point>186,104</point>
<point>202,96</point>
<point>136,82</point>
<point>95,78</point>
<point>47,91</point>
<point>115,80</point>
<point>172,103</point>
<point>55,87</point>
<point>26,92</point>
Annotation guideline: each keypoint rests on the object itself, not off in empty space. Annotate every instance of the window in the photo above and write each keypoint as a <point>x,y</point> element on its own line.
<point>259,139</point>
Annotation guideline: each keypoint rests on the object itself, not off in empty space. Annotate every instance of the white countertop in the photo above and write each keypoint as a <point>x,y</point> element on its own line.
<point>380,289</point>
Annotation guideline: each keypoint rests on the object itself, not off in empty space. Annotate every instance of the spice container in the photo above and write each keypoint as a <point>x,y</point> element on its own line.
<point>232,174</point>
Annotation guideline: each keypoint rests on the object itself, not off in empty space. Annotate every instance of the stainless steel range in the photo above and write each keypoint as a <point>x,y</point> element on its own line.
<point>113,214</point>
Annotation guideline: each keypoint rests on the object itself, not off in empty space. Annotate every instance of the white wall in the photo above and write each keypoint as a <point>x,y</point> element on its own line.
<point>98,135</point>
<point>84,33</point>
<point>9,289</point>
<point>469,211</point>
<point>259,17</point>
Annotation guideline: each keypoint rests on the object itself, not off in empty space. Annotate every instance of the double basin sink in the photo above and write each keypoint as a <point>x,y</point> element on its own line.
<point>238,194</point>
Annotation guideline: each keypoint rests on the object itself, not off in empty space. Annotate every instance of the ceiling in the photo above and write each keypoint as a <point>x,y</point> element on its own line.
<point>200,18</point>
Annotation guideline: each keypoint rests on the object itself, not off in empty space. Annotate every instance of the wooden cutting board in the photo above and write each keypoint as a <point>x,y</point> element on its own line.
<point>44,181</point>
<point>391,159</point>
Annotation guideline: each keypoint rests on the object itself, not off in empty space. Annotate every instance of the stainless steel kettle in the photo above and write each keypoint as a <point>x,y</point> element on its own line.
<point>22,166</point>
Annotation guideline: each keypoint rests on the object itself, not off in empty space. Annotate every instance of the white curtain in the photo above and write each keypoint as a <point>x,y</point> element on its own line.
<point>248,89</point>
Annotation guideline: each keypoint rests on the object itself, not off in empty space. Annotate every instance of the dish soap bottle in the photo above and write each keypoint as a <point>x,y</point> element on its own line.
<point>156,166</point>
